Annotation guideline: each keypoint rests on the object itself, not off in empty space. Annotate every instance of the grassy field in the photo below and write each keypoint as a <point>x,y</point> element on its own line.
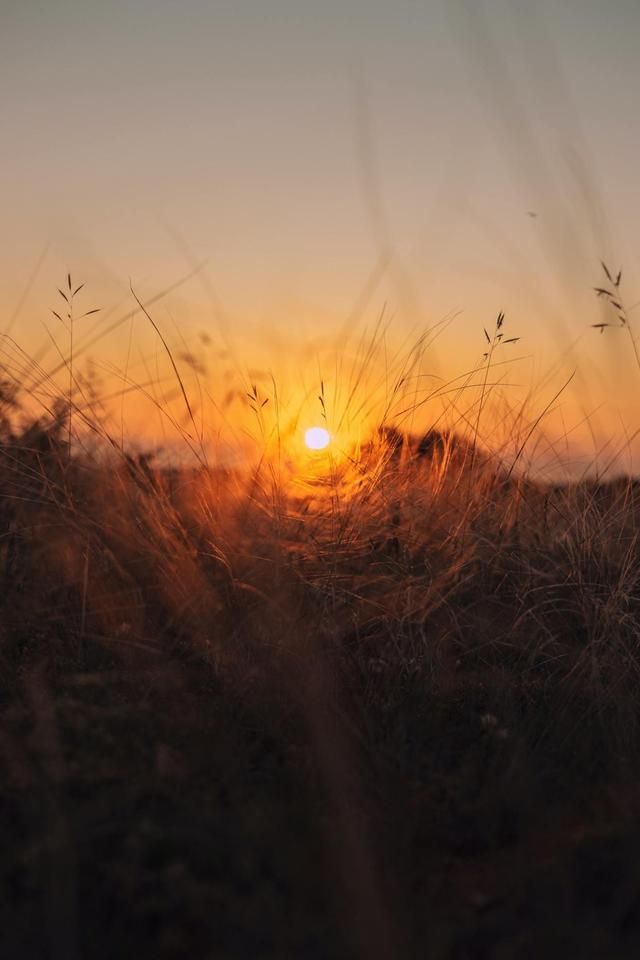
<point>388,711</point>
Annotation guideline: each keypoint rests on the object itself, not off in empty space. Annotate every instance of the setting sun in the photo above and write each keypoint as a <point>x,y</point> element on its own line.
<point>317,438</point>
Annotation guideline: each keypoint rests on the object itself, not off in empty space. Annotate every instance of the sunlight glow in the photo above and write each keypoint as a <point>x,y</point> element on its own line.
<point>317,438</point>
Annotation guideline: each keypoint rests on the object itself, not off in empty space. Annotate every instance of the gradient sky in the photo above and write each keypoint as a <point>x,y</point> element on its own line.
<point>326,158</point>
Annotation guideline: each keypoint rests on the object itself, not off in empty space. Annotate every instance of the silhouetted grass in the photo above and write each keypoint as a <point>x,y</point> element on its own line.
<point>383,705</point>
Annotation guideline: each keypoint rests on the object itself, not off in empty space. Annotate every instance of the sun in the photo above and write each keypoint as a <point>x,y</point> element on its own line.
<point>317,438</point>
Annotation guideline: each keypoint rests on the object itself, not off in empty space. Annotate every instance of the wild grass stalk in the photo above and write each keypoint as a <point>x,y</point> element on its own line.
<point>612,295</point>
<point>69,322</point>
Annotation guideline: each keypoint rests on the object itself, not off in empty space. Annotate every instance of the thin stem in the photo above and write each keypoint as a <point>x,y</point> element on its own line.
<point>70,375</point>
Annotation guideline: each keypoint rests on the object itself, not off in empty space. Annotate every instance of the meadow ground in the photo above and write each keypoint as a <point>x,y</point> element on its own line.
<point>389,712</point>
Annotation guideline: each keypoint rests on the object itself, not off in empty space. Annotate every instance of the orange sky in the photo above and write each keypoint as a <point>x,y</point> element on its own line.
<point>325,162</point>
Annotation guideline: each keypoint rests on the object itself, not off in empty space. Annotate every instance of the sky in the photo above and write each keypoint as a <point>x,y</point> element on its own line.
<point>323,163</point>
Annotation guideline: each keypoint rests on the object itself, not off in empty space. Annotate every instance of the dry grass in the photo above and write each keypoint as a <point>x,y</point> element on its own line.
<point>382,706</point>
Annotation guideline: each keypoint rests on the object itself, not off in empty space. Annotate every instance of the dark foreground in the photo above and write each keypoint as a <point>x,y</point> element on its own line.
<point>346,775</point>
<point>158,816</point>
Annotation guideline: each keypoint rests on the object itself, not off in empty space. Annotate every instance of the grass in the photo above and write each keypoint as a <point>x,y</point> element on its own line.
<point>379,705</point>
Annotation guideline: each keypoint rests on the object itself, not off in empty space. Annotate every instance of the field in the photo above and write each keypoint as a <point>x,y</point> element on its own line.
<point>319,480</point>
<point>389,710</point>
